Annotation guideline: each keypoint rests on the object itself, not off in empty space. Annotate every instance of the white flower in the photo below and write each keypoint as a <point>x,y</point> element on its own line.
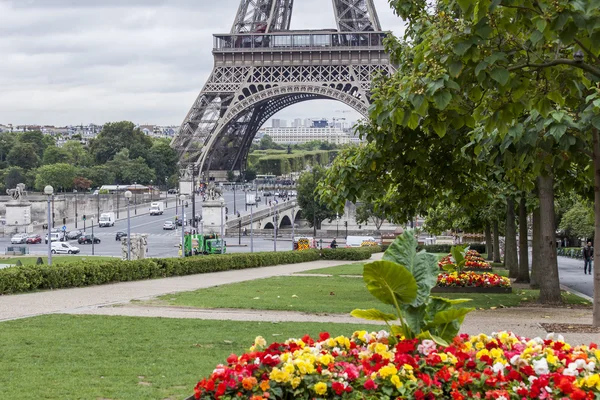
<point>558,338</point>
<point>426,347</point>
<point>382,334</point>
<point>540,366</point>
<point>502,398</point>
<point>514,359</point>
<point>591,367</point>
<point>498,367</point>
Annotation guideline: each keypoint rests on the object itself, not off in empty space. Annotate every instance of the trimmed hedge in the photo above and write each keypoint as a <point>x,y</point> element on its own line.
<point>445,248</point>
<point>87,273</point>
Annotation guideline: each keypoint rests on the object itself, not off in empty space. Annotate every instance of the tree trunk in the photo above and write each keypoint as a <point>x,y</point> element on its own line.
<point>550,284</point>
<point>523,276</point>
<point>511,260</point>
<point>496,242</point>
<point>535,250</point>
<point>596,265</point>
<point>488,243</point>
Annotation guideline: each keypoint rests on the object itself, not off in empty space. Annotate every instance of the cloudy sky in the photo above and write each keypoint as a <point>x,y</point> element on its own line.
<point>66,62</point>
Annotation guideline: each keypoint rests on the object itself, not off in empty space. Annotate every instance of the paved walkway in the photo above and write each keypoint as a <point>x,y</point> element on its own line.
<point>115,299</point>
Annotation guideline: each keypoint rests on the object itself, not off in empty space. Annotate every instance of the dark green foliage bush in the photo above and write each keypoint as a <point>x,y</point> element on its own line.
<point>86,273</point>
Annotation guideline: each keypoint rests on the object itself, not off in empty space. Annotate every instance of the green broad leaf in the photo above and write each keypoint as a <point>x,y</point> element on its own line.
<point>417,100</point>
<point>464,5</point>
<point>390,282</point>
<point>413,121</point>
<point>423,266</point>
<point>414,317</point>
<point>397,330</point>
<point>557,131</point>
<point>447,323</point>
<point>556,97</point>
<point>451,301</point>
<point>442,99</point>
<point>455,69</point>
<point>540,24</point>
<point>500,75</point>
<point>480,67</point>
<point>461,48</point>
<point>427,335</point>
<point>458,253</point>
<point>596,122</point>
<point>535,37</point>
<point>544,107</point>
<point>373,315</point>
<point>439,127</point>
<point>449,267</point>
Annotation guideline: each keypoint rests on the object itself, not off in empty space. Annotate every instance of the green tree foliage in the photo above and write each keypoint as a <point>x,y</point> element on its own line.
<point>7,141</point>
<point>99,175</point>
<point>116,136</point>
<point>55,155</point>
<point>163,159</point>
<point>14,176</point>
<point>40,141</point>
<point>128,171</point>
<point>23,155</point>
<point>578,222</point>
<point>79,154</point>
<point>60,176</point>
<point>366,212</point>
<point>267,143</point>
<point>313,208</point>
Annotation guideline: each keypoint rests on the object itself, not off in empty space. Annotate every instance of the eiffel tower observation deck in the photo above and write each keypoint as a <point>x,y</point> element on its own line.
<point>262,67</point>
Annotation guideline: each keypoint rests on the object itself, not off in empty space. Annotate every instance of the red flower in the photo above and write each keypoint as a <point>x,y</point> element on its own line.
<point>370,385</point>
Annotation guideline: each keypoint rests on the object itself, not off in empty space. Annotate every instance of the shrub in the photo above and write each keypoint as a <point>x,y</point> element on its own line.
<point>445,248</point>
<point>87,273</point>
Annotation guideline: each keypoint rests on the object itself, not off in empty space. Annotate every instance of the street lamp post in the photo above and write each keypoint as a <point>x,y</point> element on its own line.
<point>48,190</point>
<point>135,197</point>
<point>128,195</point>
<point>118,194</point>
<point>93,238</point>
<point>182,198</point>
<point>222,226</point>
<point>275,219</point>
<point>234,209</point>
<point>251,228</point>
<point>337,225</point>
<point>293,230</point>
<point>76,215</point>
<point>151,190</point>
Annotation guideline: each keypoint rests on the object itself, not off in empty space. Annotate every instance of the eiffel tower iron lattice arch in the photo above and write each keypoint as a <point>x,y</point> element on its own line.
<point>262,67</point>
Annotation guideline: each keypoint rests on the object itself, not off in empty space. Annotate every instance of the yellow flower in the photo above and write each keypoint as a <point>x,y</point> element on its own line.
<point>289,368</point>
<point>396,381</point>
<point>326,359</point>
<point>296,382</point>
<point>320,388</point>
<point>280,376</point>
<point>260,342</point>
<point>387,370</point>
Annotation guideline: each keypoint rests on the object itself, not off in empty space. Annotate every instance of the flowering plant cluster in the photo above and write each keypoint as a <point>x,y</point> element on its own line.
<point>472,279</point>
<point>371,366</point>
<point>368,243</point>
<point>470,259</point>
<point>303,244</point>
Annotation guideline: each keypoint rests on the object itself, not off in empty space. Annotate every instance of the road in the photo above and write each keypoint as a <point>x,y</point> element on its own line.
<point>161,243</point>
<point>571,274</point>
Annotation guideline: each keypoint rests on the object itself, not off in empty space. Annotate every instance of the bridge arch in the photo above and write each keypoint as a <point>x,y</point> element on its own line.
<point>228,146</point>
<point>286,222</point>
<point>269,225</point>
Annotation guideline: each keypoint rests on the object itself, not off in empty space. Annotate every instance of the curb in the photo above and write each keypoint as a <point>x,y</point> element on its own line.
<point>575,292</point>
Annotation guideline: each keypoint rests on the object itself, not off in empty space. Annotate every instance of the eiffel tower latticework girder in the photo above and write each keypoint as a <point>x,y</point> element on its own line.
<point>261,67</point>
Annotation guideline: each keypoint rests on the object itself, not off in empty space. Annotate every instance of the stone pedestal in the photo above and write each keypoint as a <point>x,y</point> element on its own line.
<point>211,217</point>
<point>139,246</point>
<point>18,217</point>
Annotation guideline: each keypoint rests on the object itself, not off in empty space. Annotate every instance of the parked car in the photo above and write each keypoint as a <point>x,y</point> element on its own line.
<point>63,248</point>
<point>172,191</point>
<point>267,194</point>
<point>72,235</point>
<point>169,225</point>
<point>276,194</point>
<point>87,239</point>
<point>34,239</point>
<point>56,237</point>
<point>19,238</point>
<point>119,235</point>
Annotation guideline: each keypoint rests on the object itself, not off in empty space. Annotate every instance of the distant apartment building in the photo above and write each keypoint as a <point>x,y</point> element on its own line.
<point>306,134</point>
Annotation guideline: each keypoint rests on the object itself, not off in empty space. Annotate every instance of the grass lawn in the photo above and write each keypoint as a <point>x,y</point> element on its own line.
<point>321,295</point>
<point>29,260</point>
<point>97,357</point>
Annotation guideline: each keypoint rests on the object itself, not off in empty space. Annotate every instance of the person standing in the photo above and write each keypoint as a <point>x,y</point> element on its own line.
<point>334,244</point>
<point>588,256</point>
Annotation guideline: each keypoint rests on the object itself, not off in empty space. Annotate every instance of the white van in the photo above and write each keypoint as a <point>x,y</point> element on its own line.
<point>55,237</point>
<point>63,248</point>
<point>357,241</point>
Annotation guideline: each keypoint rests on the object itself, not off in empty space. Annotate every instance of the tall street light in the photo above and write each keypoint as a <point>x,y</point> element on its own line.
<point>182,198</point>
<point>93,239</point>
<point>128,195</point>
<point>293,231</point>
<point>48,191</point>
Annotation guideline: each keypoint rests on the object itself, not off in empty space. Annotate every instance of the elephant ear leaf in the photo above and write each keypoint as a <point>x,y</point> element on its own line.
<point>446,324</point>
<point>423,266</point>
<point>373,315</point>
<point>389,282</point>
<point>458,254</point>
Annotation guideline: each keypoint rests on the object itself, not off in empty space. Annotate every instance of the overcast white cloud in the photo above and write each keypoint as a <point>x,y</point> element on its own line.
<point>93,61</point>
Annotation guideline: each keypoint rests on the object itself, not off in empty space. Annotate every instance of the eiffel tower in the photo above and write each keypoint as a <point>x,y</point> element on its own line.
<point>262,67</point>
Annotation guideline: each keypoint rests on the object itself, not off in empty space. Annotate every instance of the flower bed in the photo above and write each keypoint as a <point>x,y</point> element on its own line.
<point>501,366</point>
<point>473,261</point>
<point>473,280</point>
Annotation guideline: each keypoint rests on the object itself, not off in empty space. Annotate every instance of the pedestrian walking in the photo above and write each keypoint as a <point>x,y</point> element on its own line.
<point>588,256</point>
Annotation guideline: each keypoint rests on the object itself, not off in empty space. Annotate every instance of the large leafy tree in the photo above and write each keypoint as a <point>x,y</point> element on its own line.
<point>163,159</point>
<point>40,141</point>
<point>315,210</point>
<point>79,154</point>
<point>60,176</point>
<point>23,155</point>
<point>578,222</point>
<point>515,73</point>
<point>116,136</point>
<point>54,155</point>
<point>366,212</point>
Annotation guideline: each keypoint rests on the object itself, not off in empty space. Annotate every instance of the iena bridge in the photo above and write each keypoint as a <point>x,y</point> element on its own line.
<point>281,215</point>
<point>262,67</point>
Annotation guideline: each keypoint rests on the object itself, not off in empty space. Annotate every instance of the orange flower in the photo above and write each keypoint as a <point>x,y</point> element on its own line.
<point>264,386</point>
<point>249,382</point>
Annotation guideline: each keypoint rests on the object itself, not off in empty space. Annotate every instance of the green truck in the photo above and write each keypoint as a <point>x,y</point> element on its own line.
<point>204,244</point>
